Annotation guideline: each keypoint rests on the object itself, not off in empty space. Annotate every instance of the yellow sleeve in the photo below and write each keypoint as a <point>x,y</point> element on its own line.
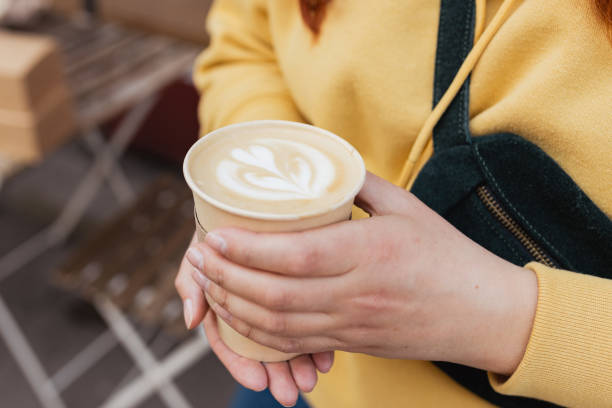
<point>568,360</point>
<point>238,75</point>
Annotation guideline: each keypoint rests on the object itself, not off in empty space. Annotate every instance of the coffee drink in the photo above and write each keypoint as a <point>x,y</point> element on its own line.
<point>276,170</point>
<point>271,176</point>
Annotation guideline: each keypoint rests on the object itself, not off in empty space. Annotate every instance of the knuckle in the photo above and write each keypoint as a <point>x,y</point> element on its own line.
<point>303,261</point>
<point>337,344</point>
<point>370,303</point>
<point>290,345</point>
<point>276,299</point>
<point>246,331</point>
<point>275,324</point>
<point>246,256</point>
<point>216,271</point>
<point>355,339</point>
<point>221,296</point>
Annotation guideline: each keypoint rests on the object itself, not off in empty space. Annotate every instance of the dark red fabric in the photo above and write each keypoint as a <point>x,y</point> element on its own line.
<point>313,13</point>
<point>171,127</point>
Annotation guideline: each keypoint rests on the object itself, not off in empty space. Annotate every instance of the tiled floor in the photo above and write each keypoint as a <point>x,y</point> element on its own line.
<point>57,325</point>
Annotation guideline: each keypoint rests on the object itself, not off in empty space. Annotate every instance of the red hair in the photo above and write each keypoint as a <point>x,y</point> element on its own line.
<point>605,10</point>
<point>313,13</point>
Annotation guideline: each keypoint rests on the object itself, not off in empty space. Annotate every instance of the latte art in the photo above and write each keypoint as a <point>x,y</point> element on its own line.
<point>276,169</point>
<point>258,172</point>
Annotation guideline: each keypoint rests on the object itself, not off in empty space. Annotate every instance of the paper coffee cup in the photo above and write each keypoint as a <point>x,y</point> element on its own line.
<point>212,212</point>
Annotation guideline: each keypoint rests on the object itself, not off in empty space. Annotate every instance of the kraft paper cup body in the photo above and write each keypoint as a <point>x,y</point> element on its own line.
<point>211,214</point>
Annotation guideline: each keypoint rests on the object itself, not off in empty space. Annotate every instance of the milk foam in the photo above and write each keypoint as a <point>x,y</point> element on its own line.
<point>275,168</point>
<point>256,171</point>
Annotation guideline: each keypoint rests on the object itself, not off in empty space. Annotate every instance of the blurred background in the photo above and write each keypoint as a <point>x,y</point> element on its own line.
<point>97,110</point>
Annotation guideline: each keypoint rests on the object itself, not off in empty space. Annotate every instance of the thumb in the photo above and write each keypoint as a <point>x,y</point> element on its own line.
<point>380,197</point>
<point>194,304</point>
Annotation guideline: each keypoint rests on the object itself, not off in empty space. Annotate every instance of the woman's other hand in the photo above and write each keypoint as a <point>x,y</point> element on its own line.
<point>402,284</point>
<point>284,379</point>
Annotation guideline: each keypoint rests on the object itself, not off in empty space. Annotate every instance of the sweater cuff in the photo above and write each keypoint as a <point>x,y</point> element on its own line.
<point>568,360</point>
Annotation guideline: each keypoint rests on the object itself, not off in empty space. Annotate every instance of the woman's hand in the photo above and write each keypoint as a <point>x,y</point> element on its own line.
<point>401,284</point>
<point>284,379</point>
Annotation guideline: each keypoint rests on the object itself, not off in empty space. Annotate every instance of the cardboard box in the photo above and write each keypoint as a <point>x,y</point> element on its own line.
<point>30,66</point>
<point>180,18</point>
<point>36,113</point>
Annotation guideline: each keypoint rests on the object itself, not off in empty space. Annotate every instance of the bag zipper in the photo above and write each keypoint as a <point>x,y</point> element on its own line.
<point>510,224</point>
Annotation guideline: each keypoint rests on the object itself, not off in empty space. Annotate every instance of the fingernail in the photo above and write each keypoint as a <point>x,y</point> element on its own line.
<point>290,403</point>
<point>216,242</point>
<point>195,257</point>
<point>201,279</point>
<point>328,360</point>
<point>188,312</point>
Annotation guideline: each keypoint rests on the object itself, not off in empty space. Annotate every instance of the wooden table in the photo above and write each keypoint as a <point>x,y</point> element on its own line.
<point>111,68</point>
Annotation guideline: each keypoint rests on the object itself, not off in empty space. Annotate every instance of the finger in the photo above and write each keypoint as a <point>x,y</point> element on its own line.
<point>304,372</point>
<point>274,322</point>
<point>194,305</point>
<point>249,373</point>
<point>290,345</point>
<point>379,197</point>
<point>282,385</point>
<point>273,291</point>
<point>323,361</point>
<point>317,252</point>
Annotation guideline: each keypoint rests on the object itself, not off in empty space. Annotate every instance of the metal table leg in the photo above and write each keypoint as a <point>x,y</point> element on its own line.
<point>85,192</point>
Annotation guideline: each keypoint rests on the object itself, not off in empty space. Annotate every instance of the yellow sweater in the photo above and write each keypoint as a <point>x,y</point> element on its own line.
<point>368,76</point>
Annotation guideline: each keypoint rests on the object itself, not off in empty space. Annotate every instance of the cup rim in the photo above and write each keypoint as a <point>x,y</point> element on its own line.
<point>270,216</point>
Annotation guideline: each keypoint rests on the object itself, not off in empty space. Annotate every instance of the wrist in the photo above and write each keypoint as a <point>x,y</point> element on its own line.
<point>497,316</point>
<point>519,302</point>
